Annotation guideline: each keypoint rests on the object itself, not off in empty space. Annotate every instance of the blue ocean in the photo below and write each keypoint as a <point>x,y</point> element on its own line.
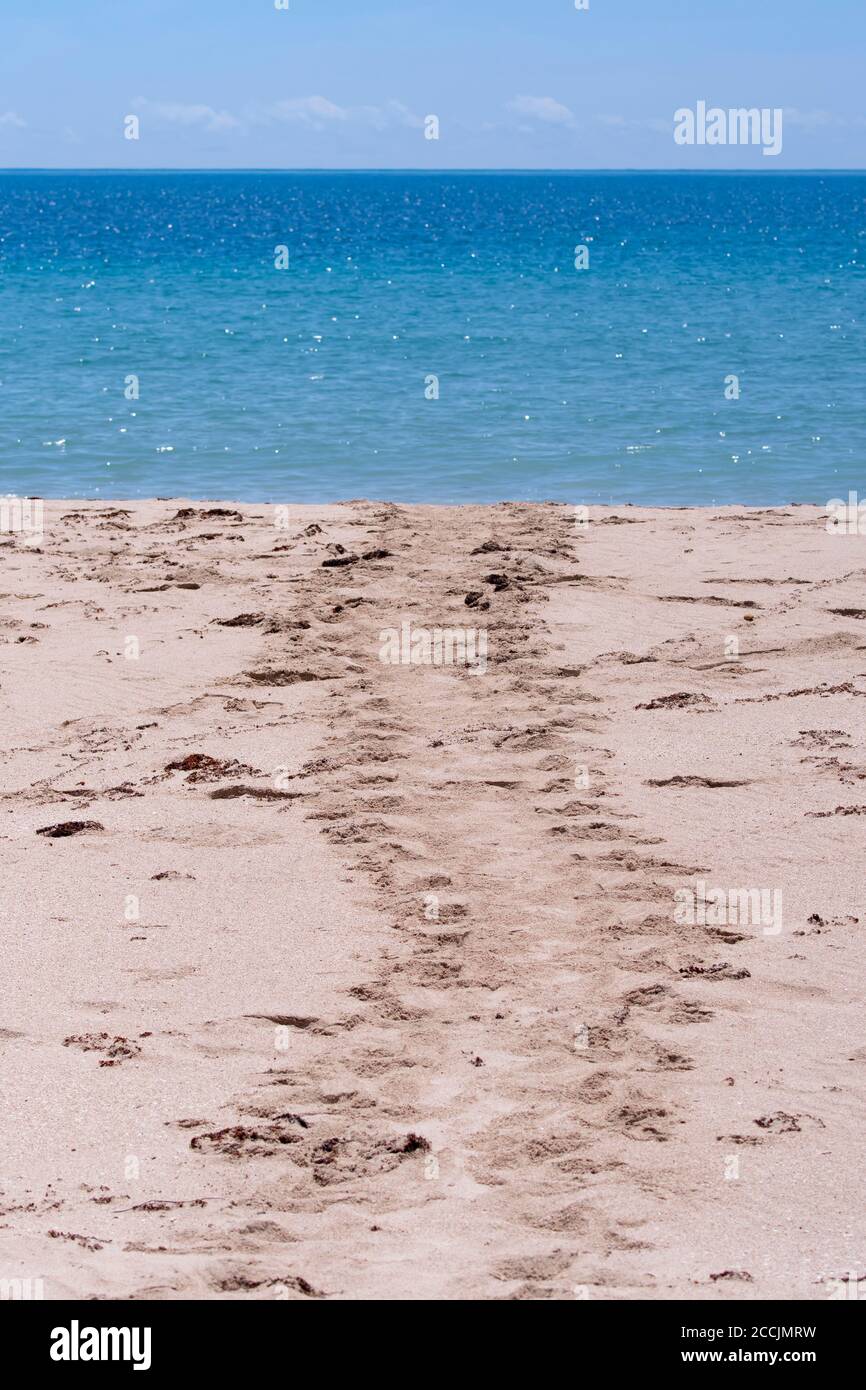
<point>428,337</point>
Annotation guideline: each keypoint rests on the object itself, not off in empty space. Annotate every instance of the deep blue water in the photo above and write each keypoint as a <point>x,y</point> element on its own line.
<point>308,384</point>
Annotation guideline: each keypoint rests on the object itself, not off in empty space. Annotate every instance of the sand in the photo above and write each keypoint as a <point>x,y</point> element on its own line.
<point>356,979</point>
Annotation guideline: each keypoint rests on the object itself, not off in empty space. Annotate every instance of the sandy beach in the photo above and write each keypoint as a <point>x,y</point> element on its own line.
<point>432,903</point>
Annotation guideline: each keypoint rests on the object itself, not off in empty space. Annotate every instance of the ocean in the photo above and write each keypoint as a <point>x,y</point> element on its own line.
<point>428,337</point>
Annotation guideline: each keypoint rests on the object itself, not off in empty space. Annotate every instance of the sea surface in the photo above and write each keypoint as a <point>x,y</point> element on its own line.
<point>431,339</point>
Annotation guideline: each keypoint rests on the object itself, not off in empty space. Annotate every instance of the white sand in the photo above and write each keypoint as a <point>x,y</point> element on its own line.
<point>504,1069</point>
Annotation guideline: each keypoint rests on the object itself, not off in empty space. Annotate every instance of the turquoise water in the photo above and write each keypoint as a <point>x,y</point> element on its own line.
<point>312,383</point>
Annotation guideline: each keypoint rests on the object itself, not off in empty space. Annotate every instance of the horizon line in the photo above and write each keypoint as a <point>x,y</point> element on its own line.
<point>407,169</point>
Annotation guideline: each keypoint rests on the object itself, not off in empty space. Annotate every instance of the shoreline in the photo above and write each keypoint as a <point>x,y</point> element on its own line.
<point>409,977</point>
<point>195,500</point>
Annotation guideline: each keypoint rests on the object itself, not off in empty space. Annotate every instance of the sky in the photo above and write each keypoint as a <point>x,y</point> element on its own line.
<point>351,83</point>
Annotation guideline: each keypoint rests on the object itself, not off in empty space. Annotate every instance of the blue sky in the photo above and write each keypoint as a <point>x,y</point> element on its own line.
<point>348,83</point>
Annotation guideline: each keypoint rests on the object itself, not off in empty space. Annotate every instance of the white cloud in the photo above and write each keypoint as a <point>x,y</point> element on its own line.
<point>318,113</point>
<point>313,113</point>
<point>179,113</point>
<point>652,123</point>
<point>821,120</point>
<point>401,115</point>
<point>542,109</point>
<point>808,120</point>
<point>12,118</point>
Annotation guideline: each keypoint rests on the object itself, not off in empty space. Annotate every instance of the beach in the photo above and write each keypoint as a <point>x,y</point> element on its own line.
<point>428,902</point>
